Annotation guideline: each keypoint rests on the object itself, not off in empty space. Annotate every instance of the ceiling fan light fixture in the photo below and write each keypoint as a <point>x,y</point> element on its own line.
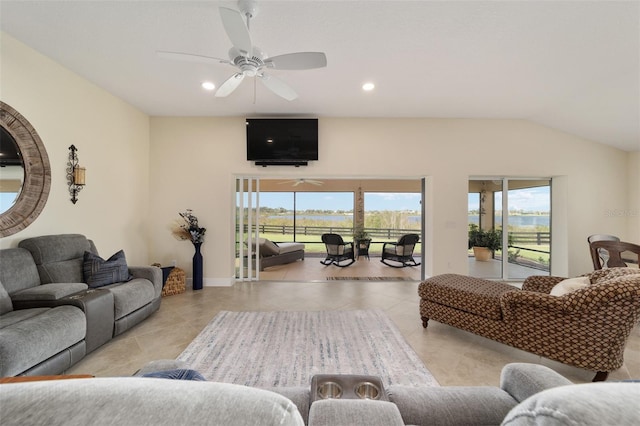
<point>207,85</point>
<point>368,86</point>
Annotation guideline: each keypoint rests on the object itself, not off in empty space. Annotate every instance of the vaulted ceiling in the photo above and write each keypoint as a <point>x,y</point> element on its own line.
<point>569,65</point>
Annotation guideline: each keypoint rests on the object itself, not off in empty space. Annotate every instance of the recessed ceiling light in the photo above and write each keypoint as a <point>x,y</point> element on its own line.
<point>368,87</point>
<point>207,85</point>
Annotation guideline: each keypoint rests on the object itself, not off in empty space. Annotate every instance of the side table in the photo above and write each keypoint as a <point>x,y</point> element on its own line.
<point>362,248</point>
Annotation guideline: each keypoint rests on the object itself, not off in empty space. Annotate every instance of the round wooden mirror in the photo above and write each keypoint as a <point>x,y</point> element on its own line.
<point>37,172</point>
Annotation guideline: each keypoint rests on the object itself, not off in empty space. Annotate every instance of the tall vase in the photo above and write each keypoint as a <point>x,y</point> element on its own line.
<point>197,267</point>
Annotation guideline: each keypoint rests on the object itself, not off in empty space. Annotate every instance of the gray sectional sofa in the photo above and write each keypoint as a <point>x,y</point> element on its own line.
<point>528,394</point>
<point>50,318</point>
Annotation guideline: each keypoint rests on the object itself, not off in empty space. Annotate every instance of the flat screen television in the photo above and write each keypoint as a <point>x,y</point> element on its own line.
<point>282,141</point>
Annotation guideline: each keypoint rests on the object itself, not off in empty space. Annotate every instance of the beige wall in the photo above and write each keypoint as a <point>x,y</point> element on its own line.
<point>633,208</point>
<point>141,172</point>
<point>113,144</point>
<point>194,161</point>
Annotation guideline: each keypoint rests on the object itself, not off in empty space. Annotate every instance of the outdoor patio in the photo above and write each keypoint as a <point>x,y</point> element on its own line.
<point>310,269</point>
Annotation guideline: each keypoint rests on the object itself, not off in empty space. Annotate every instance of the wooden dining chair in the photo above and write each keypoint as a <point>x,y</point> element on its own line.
<point>614,250</point>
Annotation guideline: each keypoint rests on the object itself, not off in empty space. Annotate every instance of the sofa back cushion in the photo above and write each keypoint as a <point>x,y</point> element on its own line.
<point>17,270</point>
<point>58,258</point>
<point>144,401</point>
<point>606,274</point>
<point>5,301</point>
<point>584,404</point>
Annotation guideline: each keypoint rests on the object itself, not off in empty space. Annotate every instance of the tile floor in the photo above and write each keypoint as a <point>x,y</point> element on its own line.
<point>455,357</point>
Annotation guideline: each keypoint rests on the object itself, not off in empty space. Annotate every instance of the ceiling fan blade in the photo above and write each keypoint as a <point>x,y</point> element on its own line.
<point>278,87</point>
<point>297,61</point>
<point>237,30</point>
<point>178,56</point>
<point>230,85</point>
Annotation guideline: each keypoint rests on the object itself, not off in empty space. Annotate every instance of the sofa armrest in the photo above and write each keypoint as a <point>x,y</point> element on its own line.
<point>522,380</point>
<point>587,299</point>
<point>29,297</point>
<point>451,405</point>
<point>151,273</point>
<point>541,283</point>
<point>583,404</point>
<point>513,303</point>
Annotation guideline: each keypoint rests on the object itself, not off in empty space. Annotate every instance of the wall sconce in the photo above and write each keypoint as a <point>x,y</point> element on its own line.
<point>75,174</point>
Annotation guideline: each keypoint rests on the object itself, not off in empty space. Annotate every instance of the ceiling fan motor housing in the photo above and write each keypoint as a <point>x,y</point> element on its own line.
<point>249,65</point>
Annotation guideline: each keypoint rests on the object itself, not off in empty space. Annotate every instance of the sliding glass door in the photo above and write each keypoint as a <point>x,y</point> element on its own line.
<point>517,211</point>
<point>247,248</point>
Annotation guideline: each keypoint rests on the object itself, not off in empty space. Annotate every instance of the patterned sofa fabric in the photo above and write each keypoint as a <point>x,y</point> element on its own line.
<point>586,328</point>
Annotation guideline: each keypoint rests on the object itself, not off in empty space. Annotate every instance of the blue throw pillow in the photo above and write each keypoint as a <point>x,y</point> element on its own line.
<point>99,272</point>
<point>179,374</point>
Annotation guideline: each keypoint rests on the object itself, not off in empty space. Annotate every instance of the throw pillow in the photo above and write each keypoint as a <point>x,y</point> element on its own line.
<point>569,285</point>
<point>99,272</point>
<point>178,374</point>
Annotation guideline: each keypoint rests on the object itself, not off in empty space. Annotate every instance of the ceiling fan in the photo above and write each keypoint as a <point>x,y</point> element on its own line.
<point>296,182</point>
<point>250,60</point>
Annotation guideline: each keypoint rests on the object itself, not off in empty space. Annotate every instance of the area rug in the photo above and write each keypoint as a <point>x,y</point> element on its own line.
<point>371,279</point>
<point>277,349</point>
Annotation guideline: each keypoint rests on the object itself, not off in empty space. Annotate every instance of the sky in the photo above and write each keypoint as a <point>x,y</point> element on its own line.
<point>530,199</point>
<point>340,201</point>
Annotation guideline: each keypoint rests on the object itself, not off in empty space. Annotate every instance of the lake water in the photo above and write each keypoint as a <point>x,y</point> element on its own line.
<point>519,221</point>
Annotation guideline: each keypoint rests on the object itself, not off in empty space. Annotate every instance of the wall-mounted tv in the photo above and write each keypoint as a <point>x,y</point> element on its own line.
<point>282,141</point>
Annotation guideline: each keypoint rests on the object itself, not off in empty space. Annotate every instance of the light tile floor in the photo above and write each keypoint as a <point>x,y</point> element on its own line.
<point>455,357</point>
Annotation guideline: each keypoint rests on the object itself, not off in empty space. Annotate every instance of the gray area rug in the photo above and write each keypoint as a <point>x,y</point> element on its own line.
<point>371,279</point>
<point>277,349</point>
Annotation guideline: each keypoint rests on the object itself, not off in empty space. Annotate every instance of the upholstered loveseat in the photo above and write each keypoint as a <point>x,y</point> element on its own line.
<point>51,317</point>
<point>528,394</point>
<point>586,328</point>
<point>272,254</point>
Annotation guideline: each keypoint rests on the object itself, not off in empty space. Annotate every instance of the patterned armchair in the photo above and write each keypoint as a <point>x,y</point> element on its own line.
<point>586,328</point>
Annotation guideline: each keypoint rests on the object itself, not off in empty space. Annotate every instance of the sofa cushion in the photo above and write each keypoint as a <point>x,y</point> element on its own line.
<point>569,285</point>
<point>98,272</point>
<point>54,291</point>
<point>131,296</point>
<point>335,412</point>
<point>5,301</point>
<point>267,247</point>
<point>38,337</point>
<point>289,247</point>
<point>468,294</point>
<point>19,315</point>
<point>451,405</point>
<point>17,270</point>
<point>143,401</point>
<point>58,257</point>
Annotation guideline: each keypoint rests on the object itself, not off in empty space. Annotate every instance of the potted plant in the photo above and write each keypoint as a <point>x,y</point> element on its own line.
<point>484,243</point>
<point>359,234</point>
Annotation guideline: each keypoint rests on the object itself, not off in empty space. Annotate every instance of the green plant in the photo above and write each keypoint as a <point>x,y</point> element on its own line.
<point>360,234</point>
<point>491,239</point>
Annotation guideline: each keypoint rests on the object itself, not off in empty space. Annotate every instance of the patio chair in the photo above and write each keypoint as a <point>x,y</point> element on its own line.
<point>401,251</point>
<point>601,252</point>
<point>614,250</point>
<point>337,250</point>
